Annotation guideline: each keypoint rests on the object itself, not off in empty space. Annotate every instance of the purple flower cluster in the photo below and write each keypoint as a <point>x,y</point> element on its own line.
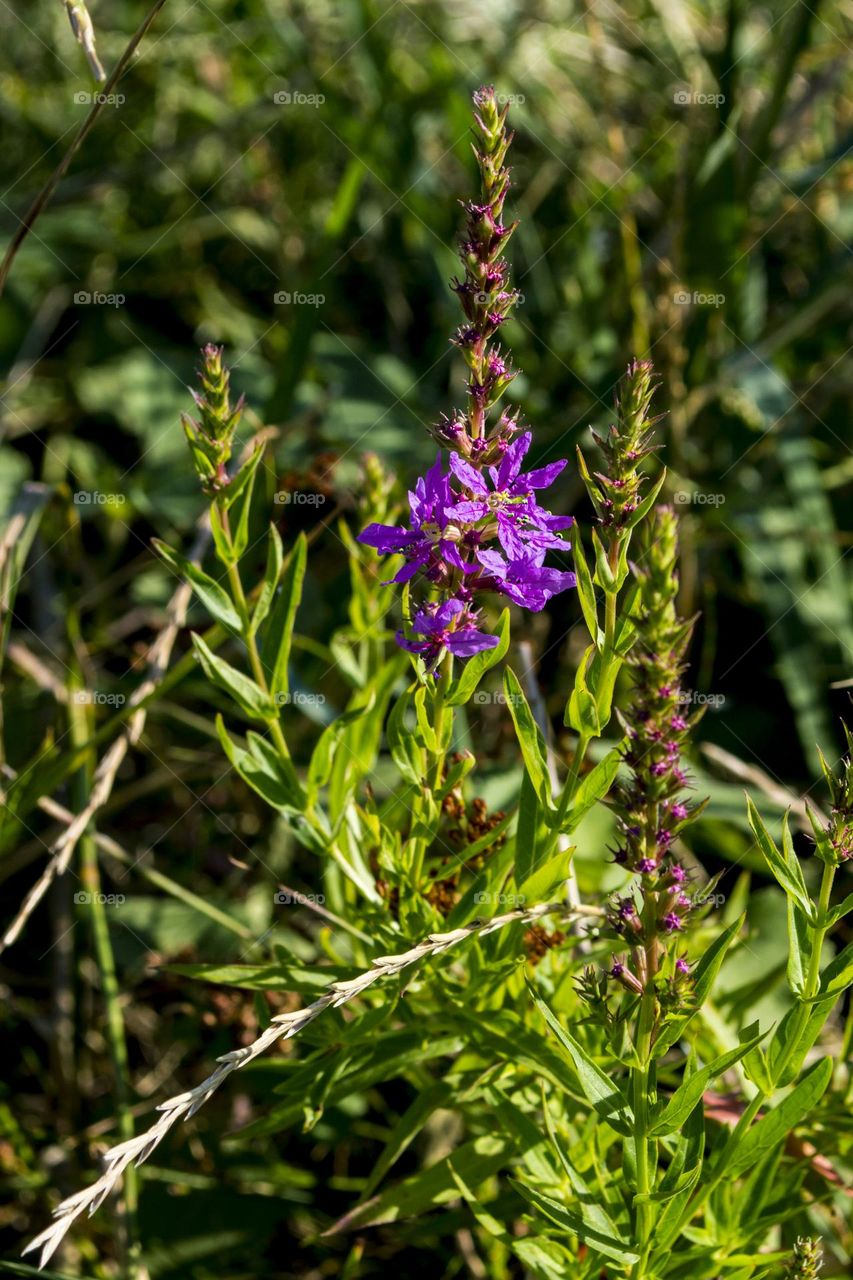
<point>478,526</point>
<point>651,808</point>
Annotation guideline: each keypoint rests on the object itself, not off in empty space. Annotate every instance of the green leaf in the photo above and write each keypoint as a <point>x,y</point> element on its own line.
<point>240,502</point>
<point>529,737</point>
<point>704,976</point>
<point>599,1089</point>
<point>474,1162</point>
<point>264,771</point>
<point>405,750</point>
<point>248,696</point>
<point>214,598</point>
<point>272,573</point>
<point>840,911</point>
<point>601,1240</point>
<point>690,1092</point>
<point>786,869</point>
<point>465,685</point>
<point>586,590</point>
<point>648,502</point>
<point>278,631</point>
<point>799,942</point>
<point>593,787</point>
<point>778,1123</point>
<point>581,712</point>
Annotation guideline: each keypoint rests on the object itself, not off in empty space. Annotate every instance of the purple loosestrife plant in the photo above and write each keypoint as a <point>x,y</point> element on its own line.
<point>619,1166</point>
<point>478,527</point>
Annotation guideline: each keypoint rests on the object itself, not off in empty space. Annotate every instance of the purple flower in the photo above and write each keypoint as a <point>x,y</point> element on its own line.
<point>682,965</point>
<point>526,581</point>
<point>432,543</point>
<point>449,626</point>
<point>521,523</point>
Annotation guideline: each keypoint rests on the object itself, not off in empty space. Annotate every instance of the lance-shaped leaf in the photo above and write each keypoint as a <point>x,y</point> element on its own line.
<point>278,631</point>
<point>529,738</point>
<point>213,596</point>
<point>272,573</point>
<point>686,1096</point>
<point>704,976</point>
<point>778,1123</point>
<point>264,770</point>
<point>600,1090</point>
<point>582,1220</point>
<point>248,696</point>
<point>785,867</point>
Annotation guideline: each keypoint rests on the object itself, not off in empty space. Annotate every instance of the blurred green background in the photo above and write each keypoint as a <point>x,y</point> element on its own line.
<point>284,179</point>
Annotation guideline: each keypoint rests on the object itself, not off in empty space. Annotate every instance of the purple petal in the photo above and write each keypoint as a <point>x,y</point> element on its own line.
<point>386,537</point>
<point>464,644</point>
<point>448,611</point>
<point>468,475</point>
<point>511,461</point>
<point>413,646</point>
<point>510,537</point>
<point>467,512</point>
<point>542,476</point>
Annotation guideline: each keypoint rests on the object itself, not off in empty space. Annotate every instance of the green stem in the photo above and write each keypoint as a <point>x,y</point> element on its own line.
<point>91,881</point>
<point>641,1082</point>
<point>249,639</point>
